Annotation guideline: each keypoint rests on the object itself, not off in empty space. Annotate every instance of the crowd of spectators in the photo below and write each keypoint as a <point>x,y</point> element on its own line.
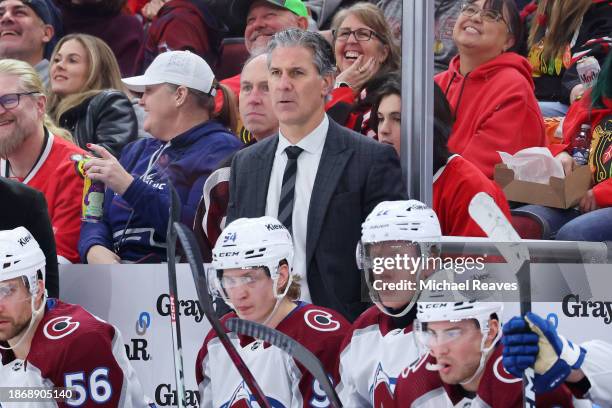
<point>135,85</point>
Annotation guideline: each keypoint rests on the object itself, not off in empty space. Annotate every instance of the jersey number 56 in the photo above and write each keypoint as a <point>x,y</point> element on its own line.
<point>96,387</point>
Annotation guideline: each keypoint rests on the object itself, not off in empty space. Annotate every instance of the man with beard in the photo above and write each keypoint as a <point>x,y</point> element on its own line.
<point>48,343</point>
<point>28,32</point>
<point>33,152</point>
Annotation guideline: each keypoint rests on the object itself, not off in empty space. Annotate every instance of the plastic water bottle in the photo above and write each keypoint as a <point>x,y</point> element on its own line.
<point>580,151</point>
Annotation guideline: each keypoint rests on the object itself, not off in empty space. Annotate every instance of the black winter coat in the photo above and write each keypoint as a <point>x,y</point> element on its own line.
<point>107,119</point>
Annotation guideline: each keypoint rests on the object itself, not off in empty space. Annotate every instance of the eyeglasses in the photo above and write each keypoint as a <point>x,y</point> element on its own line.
<point>11,101</point>
<point>490,15</point>
<point>360,34</point>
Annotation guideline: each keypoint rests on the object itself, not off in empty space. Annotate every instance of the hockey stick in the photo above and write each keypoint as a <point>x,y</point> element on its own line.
<point>494,223</point>
<point>194,257</point>
<point>175,215</point>
<point>291,347</point>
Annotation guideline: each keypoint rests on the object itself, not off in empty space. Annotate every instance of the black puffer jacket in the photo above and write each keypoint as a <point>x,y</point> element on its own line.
<point>107,119</point>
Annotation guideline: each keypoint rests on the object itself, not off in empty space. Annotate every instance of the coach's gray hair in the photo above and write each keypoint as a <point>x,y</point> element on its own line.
<point>321,49</point>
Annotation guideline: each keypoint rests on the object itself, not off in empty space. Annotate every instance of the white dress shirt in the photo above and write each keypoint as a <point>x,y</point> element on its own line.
<point>307,166</point>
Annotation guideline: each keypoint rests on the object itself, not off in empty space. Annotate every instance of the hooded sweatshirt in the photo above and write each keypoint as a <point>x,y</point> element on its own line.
<point>135,223</point>
<point>495,109</point>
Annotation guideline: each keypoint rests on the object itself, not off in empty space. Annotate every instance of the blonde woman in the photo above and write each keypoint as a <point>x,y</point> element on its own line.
<point>558,32</point>
<point>86,95</point>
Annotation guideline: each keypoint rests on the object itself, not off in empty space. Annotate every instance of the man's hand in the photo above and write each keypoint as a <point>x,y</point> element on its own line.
<point>533,341</point>
<point>100,255</point>
<point>108,170</point>
<point>587,202</point>
<point>567,162</point>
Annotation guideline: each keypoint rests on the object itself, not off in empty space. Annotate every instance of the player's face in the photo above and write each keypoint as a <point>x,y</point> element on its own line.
<point>393,262</point>
<point>15,308</point>
<point>250,291</point>
<point>456,346</point>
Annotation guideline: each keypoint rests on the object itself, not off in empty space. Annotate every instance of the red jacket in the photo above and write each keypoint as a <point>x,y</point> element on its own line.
<point>600,158</point>
<point>495,110</point>
<point>454,186</point>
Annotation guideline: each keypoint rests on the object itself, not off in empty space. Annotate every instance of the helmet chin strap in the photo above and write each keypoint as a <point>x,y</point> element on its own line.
<point>279,297</point>
<point>407,308</point>
<point>484,353</point>
<point>35,314</point>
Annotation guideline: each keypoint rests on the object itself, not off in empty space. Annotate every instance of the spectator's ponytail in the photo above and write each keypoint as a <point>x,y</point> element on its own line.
<point>227,114</point>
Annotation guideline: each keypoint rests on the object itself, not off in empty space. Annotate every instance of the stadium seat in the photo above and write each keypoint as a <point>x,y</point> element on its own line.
<point>528,225</point>
<point>233,56</point>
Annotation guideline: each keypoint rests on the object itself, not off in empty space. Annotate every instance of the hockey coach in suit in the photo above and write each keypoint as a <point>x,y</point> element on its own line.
<point>319,179</point>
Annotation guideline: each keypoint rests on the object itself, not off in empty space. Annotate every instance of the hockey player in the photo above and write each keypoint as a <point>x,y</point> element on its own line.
<point>253,258</point>
<point>534,342</point>
<point>48,343</point>
<point>381,342</point>
<point>462,362</point>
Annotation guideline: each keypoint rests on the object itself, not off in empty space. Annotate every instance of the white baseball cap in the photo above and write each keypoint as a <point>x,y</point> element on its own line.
<point>178,68</point>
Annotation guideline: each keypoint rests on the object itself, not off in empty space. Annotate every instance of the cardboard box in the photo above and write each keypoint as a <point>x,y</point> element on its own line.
<point>558,193</point>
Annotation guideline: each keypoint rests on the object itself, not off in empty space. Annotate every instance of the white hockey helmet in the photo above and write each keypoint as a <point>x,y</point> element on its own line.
<point>20,256</point>
<point>408,221</point>
<point>252,243</point>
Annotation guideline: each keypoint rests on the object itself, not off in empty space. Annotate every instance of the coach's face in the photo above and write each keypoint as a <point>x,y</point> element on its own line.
<point>15,308</point>
<point>298,89</point>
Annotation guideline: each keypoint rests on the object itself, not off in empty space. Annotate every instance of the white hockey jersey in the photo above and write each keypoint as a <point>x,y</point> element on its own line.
<point>284,381</point>
<point>597,367</point>
<point>373,355</point>
<point>72,348</point>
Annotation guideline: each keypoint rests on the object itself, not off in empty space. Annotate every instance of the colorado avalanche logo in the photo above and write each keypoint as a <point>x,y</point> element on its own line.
<point>381,392</point>
<point>321,321</point>
<point>242,398</point>
<point>59,327</point>
<point>501,374</point>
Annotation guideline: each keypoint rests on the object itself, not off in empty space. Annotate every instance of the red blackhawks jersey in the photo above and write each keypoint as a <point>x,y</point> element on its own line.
<point>421,387</point>
<point>73,348</point>
<point>55,175</point>
<point>284,381</point>
<point>454,186</point>
<point>372,357</point>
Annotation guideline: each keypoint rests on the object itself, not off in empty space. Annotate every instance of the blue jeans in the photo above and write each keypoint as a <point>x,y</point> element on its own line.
<point>552,109</point>
<point>572,225</point>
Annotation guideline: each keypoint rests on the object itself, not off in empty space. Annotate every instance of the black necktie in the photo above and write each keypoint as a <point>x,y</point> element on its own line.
<point>285,205</point>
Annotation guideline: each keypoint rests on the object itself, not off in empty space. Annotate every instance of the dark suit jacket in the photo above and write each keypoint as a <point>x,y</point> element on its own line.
<point>22,206</point>
<point>355,174</point>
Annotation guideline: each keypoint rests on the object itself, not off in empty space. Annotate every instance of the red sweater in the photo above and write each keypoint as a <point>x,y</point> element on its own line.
<point>454,186</point>
<point>600,158</point>
<point>55,175</point>
<point>495,110</point>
